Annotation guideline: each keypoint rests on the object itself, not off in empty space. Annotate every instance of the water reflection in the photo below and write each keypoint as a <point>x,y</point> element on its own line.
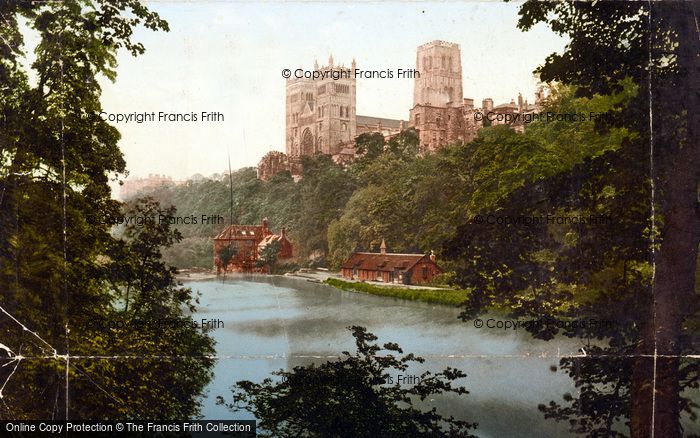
<point>277,322</point>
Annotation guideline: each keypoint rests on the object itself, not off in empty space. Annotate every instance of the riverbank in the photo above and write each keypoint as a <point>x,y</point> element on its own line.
<point>449,297</point>
<point>427,294</point>
<point>195,274</point>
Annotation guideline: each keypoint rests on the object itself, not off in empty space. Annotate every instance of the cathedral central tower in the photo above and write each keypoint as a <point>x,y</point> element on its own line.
<point>438,105</point>
<point>440,80</point>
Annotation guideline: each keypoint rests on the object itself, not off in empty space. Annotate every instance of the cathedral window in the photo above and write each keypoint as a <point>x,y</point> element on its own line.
<point>417,118</point>
<point>344,127</point>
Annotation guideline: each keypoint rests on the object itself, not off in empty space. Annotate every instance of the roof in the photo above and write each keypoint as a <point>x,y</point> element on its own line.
<point>374,261</point>
<point>374,121</point>
<point>272,238</point>
<point>241,232</point>
<point>507,105</point>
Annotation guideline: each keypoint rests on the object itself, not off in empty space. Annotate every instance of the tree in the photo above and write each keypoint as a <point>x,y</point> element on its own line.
<point>57,278</point>
<point>636,268</point>
<point>411,201</point>
<point>369,145</point>
<point>322,194</point>
<point>226,254</point>
<point>268,256</point>
<point>352,397</point>
<point>656,45</point>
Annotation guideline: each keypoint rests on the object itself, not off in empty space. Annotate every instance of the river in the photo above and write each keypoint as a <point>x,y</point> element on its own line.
<point>281,322</point>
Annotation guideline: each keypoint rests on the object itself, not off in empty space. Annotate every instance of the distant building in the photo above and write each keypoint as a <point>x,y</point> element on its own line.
<point>133,187</point>
<point>391,267</point>
<point>275,162</point>
<point>248,241</point>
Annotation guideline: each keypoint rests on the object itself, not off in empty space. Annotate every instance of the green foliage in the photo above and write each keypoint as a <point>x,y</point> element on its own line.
<point>62,274</point>
<point>368,146</point>
<point>448,297</point>
<point>626,61</point>
<point>352,397</point>
<point>268,256</point>
<point>444,279</point>
<point>226,254</point>
<point>304,208</point>
<point>555,270</point>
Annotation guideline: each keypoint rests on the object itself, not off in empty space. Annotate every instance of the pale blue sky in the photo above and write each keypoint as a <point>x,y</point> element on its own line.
<point>228,57</point>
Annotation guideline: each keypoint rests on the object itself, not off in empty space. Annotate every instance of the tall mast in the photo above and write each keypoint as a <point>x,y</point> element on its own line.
<point>230,180</point>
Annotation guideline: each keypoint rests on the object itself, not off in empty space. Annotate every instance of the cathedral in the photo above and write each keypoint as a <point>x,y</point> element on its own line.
<point>440,113</point>
<point>321,114</point>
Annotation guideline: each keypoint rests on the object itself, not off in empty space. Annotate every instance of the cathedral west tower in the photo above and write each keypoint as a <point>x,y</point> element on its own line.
<point>321,114</point>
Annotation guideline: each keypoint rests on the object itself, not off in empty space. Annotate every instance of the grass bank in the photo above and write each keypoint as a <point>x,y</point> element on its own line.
<point>449,297</point>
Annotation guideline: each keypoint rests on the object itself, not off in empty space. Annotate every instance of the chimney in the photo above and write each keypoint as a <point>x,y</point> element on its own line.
<point>382,247</point>
<point>432,256</point>
<point>284,231</point>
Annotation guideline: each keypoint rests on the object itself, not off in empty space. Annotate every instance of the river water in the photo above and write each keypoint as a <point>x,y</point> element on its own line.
<point>280,322</point>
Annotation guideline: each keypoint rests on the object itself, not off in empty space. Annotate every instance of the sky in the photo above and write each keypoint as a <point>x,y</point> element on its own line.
<point>229,56</point>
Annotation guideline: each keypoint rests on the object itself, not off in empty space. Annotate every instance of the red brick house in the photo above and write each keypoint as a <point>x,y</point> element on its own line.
<point>249,240</point>
<point>391,267</point>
